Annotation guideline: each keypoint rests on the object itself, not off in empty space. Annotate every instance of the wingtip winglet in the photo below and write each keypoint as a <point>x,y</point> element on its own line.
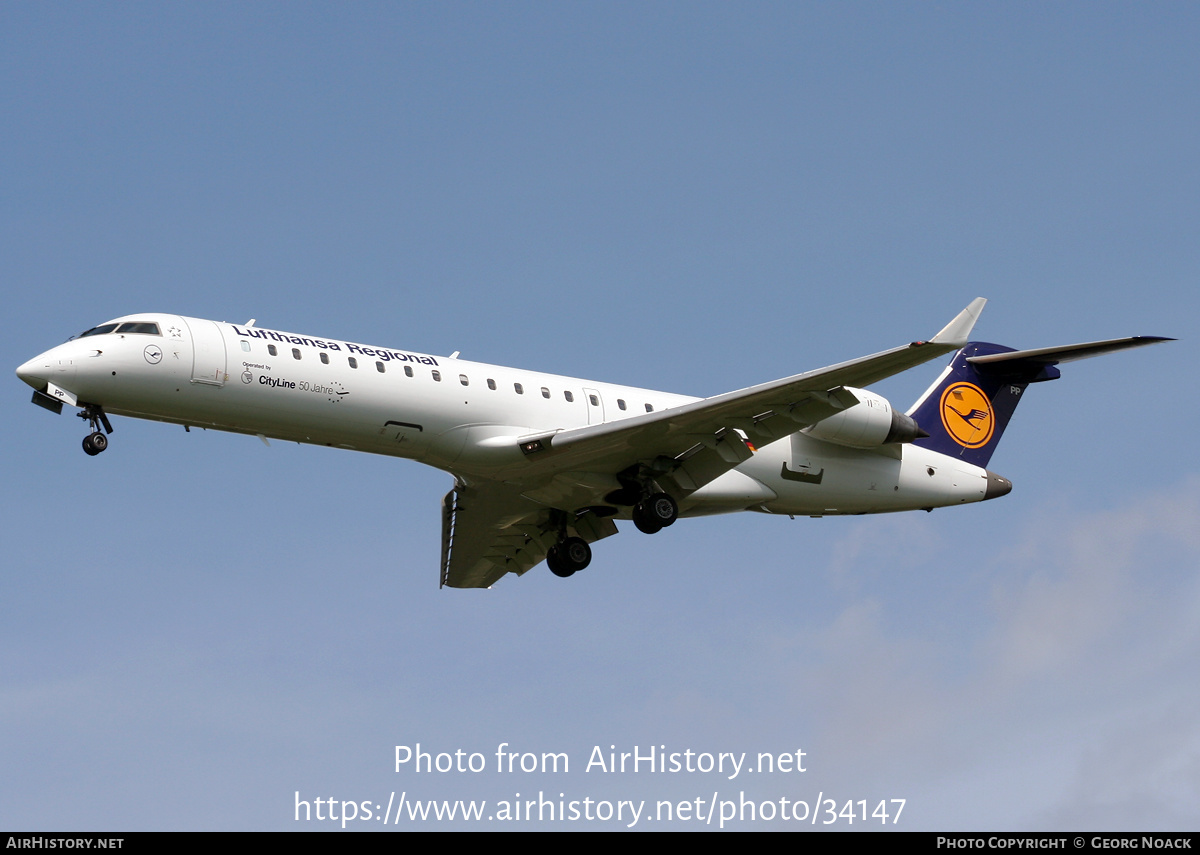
<point>958,330</point>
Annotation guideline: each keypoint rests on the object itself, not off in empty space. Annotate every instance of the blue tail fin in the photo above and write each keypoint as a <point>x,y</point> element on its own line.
<point>967,409</point>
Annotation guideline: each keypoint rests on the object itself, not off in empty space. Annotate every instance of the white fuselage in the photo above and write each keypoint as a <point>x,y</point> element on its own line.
<point>459,416</point>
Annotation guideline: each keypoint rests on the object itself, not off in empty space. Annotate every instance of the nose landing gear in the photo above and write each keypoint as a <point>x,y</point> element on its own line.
<point>96,441</point>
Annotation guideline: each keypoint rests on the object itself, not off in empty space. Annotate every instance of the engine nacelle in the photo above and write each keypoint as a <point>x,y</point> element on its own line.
<point>870,423</point>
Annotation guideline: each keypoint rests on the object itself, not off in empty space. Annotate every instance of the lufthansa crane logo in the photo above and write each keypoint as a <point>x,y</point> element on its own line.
<point>967,415</point>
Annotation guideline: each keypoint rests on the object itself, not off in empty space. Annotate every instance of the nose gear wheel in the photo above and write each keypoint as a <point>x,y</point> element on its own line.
<point>96,441</point>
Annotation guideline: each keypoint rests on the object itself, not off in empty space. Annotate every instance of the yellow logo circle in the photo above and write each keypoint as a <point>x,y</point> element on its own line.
<point>967,415</point>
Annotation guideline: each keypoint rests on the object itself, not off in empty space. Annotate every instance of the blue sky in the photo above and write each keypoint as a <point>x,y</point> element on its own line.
<point>689,197</point>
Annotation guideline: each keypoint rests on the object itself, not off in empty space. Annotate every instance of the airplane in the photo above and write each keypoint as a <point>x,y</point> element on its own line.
<point>544,465</point>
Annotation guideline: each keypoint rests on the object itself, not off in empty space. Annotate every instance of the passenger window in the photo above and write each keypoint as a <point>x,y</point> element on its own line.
<point>246,346</point>
<point>272,349</point>
<point>295,353</point>
<point>649,408</point>
<point>408,371</point>
<point>379,367</point>
<point>491,384</point>
<point>462,378</point>
<point>595,401</point>
<point>620,403</point>
<point>519,388</point>
<point>545,392</point>
<point>568,396</point>
<point>353,362</point>
<point>325,358</point>
<point>437,375</point>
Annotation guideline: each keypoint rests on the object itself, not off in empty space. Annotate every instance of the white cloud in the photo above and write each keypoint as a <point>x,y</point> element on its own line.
<point>1075,706</point>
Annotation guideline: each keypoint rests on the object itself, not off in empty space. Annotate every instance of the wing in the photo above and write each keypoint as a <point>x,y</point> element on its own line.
<point>491,529</point>
<point>565,478</point>
<point>702,438</point>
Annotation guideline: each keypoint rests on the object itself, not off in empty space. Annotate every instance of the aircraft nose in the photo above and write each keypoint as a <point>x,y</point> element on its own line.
<point>35,372</point>
<point>996,486</point>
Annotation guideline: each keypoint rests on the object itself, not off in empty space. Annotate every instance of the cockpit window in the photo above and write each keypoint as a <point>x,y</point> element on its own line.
<point>134,327</point>
<point>139,327</point>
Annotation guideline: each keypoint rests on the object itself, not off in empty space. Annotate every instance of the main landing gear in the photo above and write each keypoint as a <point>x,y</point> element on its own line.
<point>568,556</point>
<point>655,512</point>
<point>96,441</point>
<point>571,553</point>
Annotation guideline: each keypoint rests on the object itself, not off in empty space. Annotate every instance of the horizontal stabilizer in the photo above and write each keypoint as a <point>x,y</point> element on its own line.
<point>966,410</point>
<point>1021,359</point>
